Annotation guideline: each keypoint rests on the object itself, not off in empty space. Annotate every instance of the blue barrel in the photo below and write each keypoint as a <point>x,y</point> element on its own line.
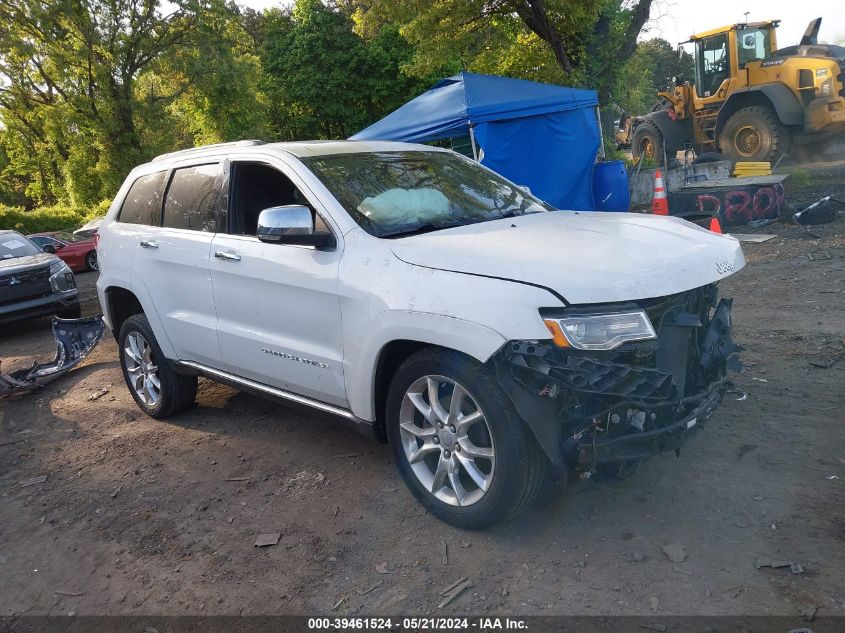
<point>610,186</point>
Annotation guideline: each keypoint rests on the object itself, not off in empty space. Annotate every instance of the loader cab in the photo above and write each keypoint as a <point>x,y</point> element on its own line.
<point>722,54</point>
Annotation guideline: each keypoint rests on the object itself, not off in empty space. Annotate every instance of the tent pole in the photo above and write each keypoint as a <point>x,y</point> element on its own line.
<point>601,132</point>
<point>474,147</point>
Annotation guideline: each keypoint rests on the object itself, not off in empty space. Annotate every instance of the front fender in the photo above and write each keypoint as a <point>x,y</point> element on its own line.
<point>460,335</point>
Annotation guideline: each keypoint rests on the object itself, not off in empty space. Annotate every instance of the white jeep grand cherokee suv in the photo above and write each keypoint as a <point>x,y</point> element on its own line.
<point>490,339</point>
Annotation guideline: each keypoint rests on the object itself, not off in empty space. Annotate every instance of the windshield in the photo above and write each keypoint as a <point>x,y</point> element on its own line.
<point>16,245</point>
<point>400,193</point>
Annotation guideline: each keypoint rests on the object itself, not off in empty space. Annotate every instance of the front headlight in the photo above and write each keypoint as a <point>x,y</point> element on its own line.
<point>57,267</point>
<point>600,331</point>
<point>61,277</point>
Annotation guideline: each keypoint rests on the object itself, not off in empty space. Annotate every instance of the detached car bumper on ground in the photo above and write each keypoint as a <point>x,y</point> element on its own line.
<point>486,336</point>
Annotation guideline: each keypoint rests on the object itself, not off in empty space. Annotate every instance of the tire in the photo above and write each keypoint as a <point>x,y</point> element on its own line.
<point>515,476</point>
<point>175,392</point>
<point>91,261</point>
<point>647,140</point>
<point>753,134</point>
<point>73,312</point>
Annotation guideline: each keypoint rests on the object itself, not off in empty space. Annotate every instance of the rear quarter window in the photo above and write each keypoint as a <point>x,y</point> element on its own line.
<point>193,199</point>
<point>142,204</point>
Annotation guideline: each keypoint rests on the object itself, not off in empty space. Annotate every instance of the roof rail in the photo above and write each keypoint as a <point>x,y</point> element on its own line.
<point>192,150</point>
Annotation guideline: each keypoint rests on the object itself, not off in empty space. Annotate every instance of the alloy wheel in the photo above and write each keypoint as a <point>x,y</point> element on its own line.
<point>91,261</point>
<point>141,369</point>
<point>447,440</point>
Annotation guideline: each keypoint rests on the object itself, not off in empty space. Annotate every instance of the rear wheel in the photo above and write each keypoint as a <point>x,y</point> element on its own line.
<point>155,387</point>
<point>647,141</point>
<point>753,134</point>
<point>458,443</point>
<point>91,261</point>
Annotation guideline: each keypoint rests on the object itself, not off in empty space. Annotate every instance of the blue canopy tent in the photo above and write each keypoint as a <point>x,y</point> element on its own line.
<point>534,134</point>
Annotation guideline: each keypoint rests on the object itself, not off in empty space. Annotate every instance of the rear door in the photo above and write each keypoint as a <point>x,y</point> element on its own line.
<point>277,305</point>
<point>171,261</point>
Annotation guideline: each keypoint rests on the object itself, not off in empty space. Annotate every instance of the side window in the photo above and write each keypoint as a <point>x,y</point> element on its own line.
<point>255,187</point>
<point>192,200</point>
<point>143,202</point>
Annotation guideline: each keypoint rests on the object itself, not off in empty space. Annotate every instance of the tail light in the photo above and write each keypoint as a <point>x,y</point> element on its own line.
<point>96,237</point>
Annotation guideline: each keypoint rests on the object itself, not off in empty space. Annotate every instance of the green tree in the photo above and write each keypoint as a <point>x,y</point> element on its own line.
<point>90,89</point>
<point>587,40</point>
<point>323,80</point>
<point>650,70</point>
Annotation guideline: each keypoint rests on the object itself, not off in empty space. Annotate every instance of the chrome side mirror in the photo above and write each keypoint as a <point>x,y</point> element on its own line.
<point>291,224</point>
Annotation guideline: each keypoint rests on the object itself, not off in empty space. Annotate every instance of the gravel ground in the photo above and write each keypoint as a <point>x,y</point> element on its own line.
<point>139,516</point>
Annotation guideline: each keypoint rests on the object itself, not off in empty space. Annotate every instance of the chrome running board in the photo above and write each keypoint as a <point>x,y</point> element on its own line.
<point>251,385</point>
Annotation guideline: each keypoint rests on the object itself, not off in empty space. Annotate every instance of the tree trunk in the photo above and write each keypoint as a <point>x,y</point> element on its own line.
<point>533,13</point>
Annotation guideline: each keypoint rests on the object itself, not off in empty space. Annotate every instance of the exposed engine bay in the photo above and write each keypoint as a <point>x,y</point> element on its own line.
<point>75,338</point>
<point>616,407</point>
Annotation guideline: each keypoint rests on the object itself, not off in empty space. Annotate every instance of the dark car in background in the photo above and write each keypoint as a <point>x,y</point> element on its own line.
<point>34,283</point>
<point>78,251</point>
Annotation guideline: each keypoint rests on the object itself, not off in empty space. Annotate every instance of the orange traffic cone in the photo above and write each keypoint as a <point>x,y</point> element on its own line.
<point>659,204</point>
<point>715,225</point>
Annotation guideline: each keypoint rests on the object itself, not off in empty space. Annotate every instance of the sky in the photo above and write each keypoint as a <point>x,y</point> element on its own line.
<point>676,20</point>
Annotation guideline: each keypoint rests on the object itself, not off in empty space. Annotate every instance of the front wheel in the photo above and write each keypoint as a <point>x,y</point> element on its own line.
<point>647,142</point>
<point>157,389</point>
<point>458,443</point>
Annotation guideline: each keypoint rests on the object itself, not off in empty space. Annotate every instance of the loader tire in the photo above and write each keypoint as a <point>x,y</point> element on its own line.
<point>753,134</point>
<point>647,141</point>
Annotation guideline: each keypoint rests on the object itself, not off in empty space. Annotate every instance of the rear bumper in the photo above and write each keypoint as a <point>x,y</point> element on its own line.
<point>42,306</point>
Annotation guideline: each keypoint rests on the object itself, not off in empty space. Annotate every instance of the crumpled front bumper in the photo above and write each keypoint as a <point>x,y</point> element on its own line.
<point>587,408</point>
<point>634,447</point>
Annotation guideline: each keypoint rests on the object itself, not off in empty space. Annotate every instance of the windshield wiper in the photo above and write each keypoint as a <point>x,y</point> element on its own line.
<point>422,228</point>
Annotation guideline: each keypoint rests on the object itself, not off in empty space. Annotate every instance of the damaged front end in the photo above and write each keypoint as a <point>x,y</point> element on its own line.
<point>75,338</point>
<point>592,407</point>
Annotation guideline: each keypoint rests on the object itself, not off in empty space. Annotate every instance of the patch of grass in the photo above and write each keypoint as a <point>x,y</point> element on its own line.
<point>800,178</point>
<point>43,219</point>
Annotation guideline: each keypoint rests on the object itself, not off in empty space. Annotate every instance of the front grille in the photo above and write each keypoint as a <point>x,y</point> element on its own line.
<point>24,285</point>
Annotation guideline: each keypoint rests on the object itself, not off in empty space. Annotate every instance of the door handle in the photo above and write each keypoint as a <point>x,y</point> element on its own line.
<point>149,244</point>
<point>232,257</point>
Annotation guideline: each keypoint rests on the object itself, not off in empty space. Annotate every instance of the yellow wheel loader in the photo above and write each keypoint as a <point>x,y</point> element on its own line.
<point>750,100</point>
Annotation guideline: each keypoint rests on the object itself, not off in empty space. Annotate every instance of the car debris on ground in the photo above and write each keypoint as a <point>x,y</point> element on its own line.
<point>75,338</point>
<point>676,552</point>
<point>453,591</point>
<point>265,540</point>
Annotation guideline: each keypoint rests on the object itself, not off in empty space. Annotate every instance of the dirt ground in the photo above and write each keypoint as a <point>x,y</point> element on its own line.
<point>139,516</point>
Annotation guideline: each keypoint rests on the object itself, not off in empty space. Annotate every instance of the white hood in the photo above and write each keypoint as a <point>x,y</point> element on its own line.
<point>585,257</point>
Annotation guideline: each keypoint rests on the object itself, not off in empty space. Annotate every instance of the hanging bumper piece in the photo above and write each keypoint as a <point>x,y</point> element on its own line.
<point>75,338</point>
